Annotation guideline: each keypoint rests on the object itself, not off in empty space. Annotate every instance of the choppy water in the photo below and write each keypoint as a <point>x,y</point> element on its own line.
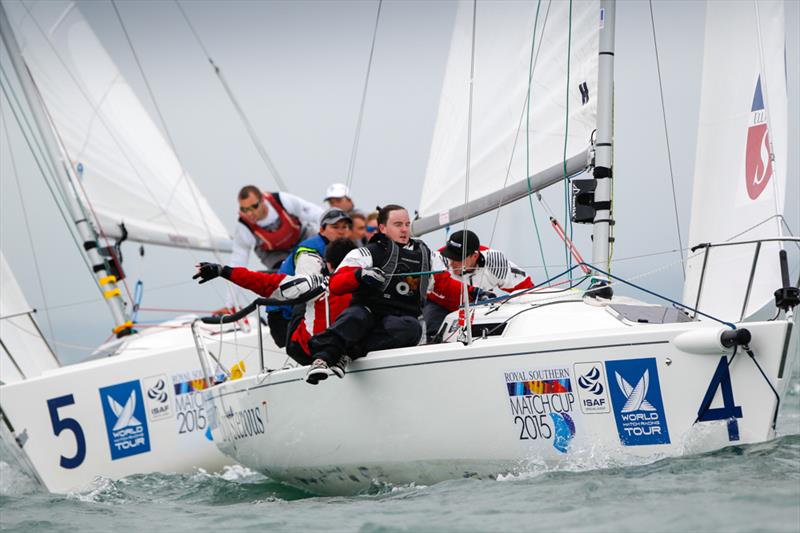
<point>741,488</point>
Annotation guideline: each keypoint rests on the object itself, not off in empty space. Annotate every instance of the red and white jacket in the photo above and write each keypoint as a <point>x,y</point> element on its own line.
<point>320,313</point>
<point>494,271</point>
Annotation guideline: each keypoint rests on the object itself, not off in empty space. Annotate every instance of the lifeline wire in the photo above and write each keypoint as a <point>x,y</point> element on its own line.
<point>352,166</point>
<point>666,137</point>
<point>239,111</point>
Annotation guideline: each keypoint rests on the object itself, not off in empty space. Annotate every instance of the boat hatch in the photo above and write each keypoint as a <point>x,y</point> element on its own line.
<point>648,314</point>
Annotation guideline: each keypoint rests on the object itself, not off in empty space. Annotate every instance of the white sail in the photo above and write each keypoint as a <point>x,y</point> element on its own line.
<point>738,192</point>
<point>503,37</point>
<point>127,168</point>
<point>23,352</point>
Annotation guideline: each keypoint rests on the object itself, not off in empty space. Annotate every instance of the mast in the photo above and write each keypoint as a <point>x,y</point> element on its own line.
<point>604,148</point>
<point>65,178</point>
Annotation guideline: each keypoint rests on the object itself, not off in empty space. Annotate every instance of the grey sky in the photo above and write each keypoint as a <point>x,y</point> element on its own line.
<point>297,69</point>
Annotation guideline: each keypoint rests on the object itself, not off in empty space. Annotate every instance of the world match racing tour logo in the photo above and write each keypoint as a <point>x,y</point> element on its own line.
<point>758,160</point>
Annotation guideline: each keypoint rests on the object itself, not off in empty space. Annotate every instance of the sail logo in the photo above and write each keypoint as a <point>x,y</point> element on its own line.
<point>592,388</point>
<point>637,402</point>
<point>126,424</point>
<point>758,161</point>
<point>157,397</point>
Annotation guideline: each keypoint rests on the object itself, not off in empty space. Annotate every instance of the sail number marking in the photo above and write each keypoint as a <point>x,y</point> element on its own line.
<point>729,410</point>
<point>67,424</point>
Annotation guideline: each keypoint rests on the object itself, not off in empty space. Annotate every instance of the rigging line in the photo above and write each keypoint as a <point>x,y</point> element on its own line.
<point>170,140</point>
<point>352,166</point>
<point>566,138</point>
<point>666,135</point>
<point>262,152</point>
<point>519,127</point>
<point>469,123</point>
<point>67,220</point>
<point>528,142</point>
<point>12,160</point>
<point>765,96</point>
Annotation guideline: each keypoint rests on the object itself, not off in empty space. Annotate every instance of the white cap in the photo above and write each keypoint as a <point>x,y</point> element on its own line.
<point>337,190</point>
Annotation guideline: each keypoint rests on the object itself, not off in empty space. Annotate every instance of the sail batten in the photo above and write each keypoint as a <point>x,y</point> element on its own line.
<point>126,167</point>
<point>559,124</point>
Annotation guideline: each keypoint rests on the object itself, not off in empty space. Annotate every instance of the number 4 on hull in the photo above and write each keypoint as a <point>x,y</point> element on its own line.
<point>729,410</point>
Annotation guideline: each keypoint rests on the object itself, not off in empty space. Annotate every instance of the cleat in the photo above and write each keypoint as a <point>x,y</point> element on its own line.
<point>338,369</point>
<point>318,371</point>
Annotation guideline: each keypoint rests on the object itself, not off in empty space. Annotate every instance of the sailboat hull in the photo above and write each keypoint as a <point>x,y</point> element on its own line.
<point>137,412</point>
<point>431,413</point>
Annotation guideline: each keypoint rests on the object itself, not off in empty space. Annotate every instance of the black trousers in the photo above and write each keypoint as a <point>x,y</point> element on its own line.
<point>434,315</point>
<point>358,331</point>
<point>278,327</point>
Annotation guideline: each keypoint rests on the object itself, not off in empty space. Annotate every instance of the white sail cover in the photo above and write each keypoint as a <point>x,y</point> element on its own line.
<point>503,36</point>
<point>738,192</point>
<point>127,168</point>
<point>23,352</point>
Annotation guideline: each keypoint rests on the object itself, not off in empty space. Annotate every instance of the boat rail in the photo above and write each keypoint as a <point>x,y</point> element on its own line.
<point>757,243</point>
<point>256,305</point>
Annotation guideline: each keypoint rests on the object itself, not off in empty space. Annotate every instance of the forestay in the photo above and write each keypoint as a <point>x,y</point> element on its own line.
<point>129,172</point>
<point>739,192</point>
<point>23,352</point>
<point>503,36</point>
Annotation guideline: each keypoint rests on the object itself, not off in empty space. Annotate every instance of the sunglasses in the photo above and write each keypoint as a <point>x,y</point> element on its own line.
<point>248,208</point>
<point>372,228</point>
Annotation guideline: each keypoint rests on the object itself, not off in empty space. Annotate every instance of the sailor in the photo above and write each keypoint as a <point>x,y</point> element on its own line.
<point>309,318</point>
<point>389,280</point>
<point>271,224</point>
<point>338,195</point>
<point>272,284</point>
<point>479,266</point>
<point>305,259</point>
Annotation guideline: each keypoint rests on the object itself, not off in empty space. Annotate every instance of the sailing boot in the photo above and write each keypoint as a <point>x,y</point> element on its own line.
<point>340,367</point>
<point>318,371</point>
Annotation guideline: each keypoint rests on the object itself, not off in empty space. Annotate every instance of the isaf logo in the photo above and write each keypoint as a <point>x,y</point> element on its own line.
<point>158,397</point>
<point>592,388</point>
<point>126,424</point>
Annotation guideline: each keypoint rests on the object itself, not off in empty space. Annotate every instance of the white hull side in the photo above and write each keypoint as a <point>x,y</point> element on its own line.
<point>75,399</point>
<point>432,413</point>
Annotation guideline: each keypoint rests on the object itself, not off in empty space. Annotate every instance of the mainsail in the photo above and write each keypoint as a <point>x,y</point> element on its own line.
<point>504,33</point>
<point>127,168</point>
<point>23,351</point>
<point>740,166</point>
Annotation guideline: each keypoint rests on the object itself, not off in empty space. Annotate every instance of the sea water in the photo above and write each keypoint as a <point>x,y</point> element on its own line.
<point>740,488</point>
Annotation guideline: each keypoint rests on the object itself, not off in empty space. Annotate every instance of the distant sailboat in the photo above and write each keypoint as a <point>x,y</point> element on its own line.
<point>137,407</point>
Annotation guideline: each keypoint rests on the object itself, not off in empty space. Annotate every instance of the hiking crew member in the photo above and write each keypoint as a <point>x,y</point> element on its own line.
<point>386,304</point>
<point>305,259</point>
<point>271,224</point>
<point>482,267</point>
<point>309,318</point>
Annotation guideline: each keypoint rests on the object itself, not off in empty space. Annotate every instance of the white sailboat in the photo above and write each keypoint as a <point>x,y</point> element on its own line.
<point>556,376</point>
<point>135,407</point>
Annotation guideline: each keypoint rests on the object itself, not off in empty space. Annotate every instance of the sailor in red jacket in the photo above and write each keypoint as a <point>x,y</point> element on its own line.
<point>390,280</point>
<point>467,260</point>
<point>309,318</point>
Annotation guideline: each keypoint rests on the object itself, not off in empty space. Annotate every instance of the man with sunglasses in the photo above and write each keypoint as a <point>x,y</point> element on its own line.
<point>271,224</point>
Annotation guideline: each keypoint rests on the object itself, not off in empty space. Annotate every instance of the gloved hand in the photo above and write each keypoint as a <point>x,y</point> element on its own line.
<point>480,295</point>
<point>223,310</point>
<point>371,277</point>
<point>209,271</point>
<point>296,286</point>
